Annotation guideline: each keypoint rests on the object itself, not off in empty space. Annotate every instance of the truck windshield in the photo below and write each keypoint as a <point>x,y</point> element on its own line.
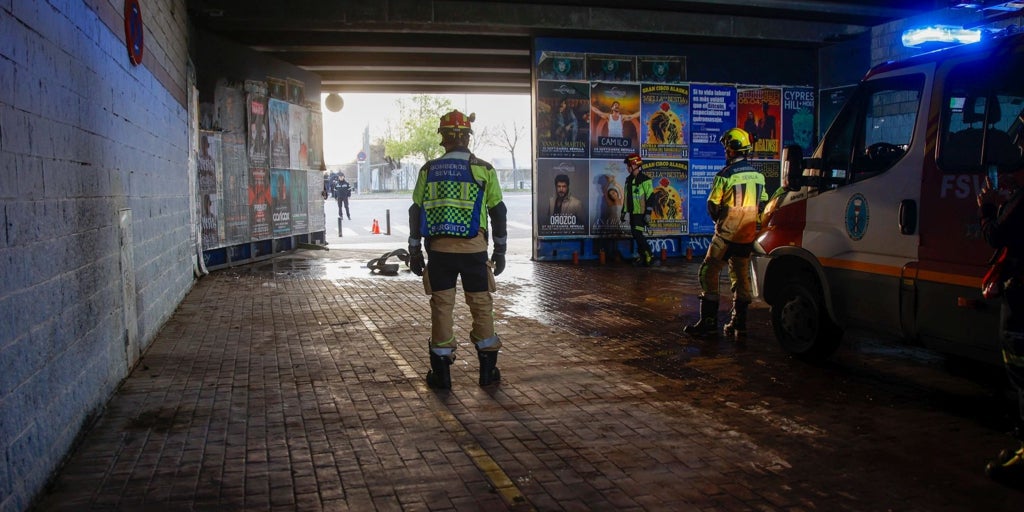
<point>874,130</point>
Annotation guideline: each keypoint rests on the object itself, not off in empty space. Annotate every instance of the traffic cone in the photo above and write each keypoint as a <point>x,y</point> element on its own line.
<point>376,227</point>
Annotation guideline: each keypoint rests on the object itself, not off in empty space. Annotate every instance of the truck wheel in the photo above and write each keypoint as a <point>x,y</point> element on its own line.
<point>801,322</point>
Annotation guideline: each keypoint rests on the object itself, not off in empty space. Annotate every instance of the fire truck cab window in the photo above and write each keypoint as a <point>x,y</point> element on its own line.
<point>874,130</point>
<point>982,121</point>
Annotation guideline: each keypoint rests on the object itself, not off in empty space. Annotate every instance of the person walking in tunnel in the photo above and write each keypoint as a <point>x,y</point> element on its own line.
<point>735,203</point>
<point>637,205</point>
<point>343,191</point>
<point>1001,226</point>
<point>452,200</point>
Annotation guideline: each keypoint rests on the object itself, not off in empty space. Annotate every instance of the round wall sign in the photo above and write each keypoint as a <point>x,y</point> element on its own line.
<point>133,37</point>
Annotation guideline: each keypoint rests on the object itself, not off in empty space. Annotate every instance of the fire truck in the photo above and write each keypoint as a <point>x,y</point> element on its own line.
<point>878,228</point>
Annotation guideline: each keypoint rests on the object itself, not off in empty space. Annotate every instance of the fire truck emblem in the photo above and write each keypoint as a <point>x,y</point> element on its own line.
<point>857,217</point>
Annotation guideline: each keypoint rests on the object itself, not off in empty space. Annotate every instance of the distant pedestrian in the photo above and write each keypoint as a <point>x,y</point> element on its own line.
<point>342,191</point>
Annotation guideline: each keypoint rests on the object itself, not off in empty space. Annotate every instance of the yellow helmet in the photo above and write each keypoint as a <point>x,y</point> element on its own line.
<point>736,139</point>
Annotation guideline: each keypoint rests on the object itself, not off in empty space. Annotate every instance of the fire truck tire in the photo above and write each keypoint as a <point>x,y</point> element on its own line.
<point>801,321</point>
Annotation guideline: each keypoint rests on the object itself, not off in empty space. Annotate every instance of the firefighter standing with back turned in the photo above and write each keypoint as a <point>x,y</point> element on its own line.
<point>735,203</point>
<point>453,198</point>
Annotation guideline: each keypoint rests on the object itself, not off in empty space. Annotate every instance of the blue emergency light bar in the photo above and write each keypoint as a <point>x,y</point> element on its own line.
<point>916,37</point>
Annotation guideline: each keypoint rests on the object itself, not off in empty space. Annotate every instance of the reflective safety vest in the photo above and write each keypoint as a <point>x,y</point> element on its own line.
<point>734,202</point>
<point>451,200</point>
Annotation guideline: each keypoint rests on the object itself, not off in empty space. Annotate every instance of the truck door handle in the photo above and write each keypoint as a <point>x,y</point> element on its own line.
<point>908,216</point>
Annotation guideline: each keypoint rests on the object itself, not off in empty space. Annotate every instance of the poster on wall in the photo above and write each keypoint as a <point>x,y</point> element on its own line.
<point>210,171</point>
<point>702,175</point>
<point>298,137</point>
<point>607,178</point>
<point>665,110</point>
<point>562,202</point>
<point>615,120</point>
<point>662,69</point>
<point>259,203</point>
<point>277,88</point>
<point>236,192</point>
<point>560,66</point>
<point>671,190</point>
<point>316,141</point>
<point>299,201</point>
<point>611,68</point>
<point>280,201</point>
<point>280,152</point>
<point>771,170</point>
<point>314,204</point>
<point>798,118</point>
<point>757,112</point>
<point>712,112</point>
<point>563,109</point>
<point>259,138</point>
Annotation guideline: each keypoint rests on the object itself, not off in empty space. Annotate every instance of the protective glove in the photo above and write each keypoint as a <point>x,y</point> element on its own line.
<point>498,258</point>
<point>647,220</point>
<point>622,217</point>
<point>416,262</point>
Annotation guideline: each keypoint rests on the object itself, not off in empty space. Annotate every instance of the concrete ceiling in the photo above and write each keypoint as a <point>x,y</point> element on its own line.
<point>461,46</point>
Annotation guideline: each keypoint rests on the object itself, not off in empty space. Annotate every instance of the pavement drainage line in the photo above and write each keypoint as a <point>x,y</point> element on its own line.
<point>500,481</point>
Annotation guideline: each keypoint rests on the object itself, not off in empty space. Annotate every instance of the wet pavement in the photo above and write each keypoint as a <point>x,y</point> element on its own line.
<point>297,384</point>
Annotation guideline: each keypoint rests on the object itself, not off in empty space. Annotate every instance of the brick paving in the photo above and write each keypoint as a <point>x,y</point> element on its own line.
<point>297,384</point>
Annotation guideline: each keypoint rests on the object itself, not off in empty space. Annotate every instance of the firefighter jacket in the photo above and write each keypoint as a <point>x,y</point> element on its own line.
<point>638,192</point>
<point>735,202</point>
<point>454,194</point>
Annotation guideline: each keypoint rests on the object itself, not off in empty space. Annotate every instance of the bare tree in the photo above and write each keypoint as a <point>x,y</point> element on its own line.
<point>508,137</point>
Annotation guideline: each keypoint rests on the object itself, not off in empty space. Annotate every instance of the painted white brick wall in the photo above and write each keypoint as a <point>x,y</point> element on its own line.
<point>83,134</point>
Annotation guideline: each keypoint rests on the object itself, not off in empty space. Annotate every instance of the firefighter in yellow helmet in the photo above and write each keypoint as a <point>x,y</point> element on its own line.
<point>735,203</point>
<point>639,208</point>
<point>453,198</point>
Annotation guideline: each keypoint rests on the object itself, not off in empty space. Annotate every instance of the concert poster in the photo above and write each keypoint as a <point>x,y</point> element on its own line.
<point>607,195</point>
<point>259,203</point>
<point>615,120</point>
<point>280,201</point>
<point>235,192</point>
<point>772,171</point>
<point>671,189</point>
<point>757,112</point>
<point>211,172</point>
<point>280,138</point>
<point>258,133</point>
<point>563,115</point>
<point>298,137</point>
<point>665,110</point>
<point>316,141</point>
<point>562,200</point>
<point>798,118</point>
<point>299,201</point>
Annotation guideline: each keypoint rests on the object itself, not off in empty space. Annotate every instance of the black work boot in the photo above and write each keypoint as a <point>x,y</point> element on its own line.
<point>440,375</point>
<point>708,323</point>
<point>737,325</point>
<point>489,373</point>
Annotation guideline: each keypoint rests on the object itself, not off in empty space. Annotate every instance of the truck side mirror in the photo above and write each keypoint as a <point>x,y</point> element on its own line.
<point>792,175</point>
